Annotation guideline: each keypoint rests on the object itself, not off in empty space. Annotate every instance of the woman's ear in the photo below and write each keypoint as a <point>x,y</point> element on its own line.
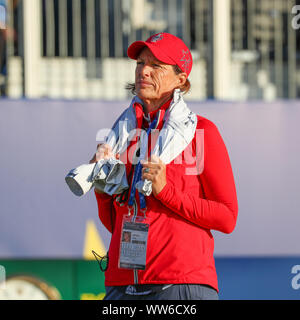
<point>182,77</point>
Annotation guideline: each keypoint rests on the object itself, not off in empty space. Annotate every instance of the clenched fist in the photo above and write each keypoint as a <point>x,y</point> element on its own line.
<point>103,152</point>
<point>155,171</point>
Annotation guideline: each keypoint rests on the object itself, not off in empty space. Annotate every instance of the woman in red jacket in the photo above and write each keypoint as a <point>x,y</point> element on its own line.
<point>168,251</point>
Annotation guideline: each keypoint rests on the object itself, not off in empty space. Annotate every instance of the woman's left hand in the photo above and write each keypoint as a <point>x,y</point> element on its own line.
<point>155,171</point>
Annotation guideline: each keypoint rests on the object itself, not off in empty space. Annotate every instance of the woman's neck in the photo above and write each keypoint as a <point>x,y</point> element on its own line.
<point>150,105</point>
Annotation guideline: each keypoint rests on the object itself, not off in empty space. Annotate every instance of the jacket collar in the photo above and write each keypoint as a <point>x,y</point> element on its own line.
<point>144,121</point>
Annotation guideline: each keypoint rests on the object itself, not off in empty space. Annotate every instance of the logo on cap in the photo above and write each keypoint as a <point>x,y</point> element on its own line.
<point>186,60</point>
<point>157,37</point>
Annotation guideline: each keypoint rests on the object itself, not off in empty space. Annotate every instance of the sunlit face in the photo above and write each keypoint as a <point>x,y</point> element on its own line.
<point>155,80</point>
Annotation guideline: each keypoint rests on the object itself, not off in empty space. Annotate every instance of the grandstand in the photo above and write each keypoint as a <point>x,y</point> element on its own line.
<point>70,49</point>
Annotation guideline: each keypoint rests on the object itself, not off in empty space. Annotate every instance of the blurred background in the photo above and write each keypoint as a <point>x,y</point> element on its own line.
<point>63,71</point>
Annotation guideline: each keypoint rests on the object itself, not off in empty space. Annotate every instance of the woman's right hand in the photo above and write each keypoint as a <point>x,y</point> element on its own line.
<point>104,151</point>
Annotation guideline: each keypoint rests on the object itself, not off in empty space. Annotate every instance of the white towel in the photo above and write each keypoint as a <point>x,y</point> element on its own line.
<point>178,131</point>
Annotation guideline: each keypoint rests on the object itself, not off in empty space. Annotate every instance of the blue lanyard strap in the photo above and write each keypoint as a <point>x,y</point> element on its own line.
<point>138,175</point>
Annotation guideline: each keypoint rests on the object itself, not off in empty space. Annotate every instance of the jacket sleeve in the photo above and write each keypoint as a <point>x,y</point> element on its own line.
<point>218,208</point>
<point>106,210</point>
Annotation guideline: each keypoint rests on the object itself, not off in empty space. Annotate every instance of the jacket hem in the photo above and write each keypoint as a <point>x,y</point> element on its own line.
<point>202,282</point>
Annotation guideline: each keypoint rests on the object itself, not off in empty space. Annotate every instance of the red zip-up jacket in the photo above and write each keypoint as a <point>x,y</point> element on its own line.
<point>180,244</point>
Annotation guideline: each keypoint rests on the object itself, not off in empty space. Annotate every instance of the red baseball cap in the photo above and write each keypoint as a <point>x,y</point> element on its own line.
<point>166,48</point>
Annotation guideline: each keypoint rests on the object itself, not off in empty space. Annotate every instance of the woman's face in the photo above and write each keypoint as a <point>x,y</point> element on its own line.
<point>154,80</point>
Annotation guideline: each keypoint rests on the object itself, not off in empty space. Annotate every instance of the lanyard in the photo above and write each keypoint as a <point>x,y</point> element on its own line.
<point>138,175</point>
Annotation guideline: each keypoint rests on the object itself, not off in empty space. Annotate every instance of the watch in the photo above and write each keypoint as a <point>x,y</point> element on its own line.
<point>25,287</point>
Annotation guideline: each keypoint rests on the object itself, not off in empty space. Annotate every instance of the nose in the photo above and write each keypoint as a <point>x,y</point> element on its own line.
<point>144,70</point>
